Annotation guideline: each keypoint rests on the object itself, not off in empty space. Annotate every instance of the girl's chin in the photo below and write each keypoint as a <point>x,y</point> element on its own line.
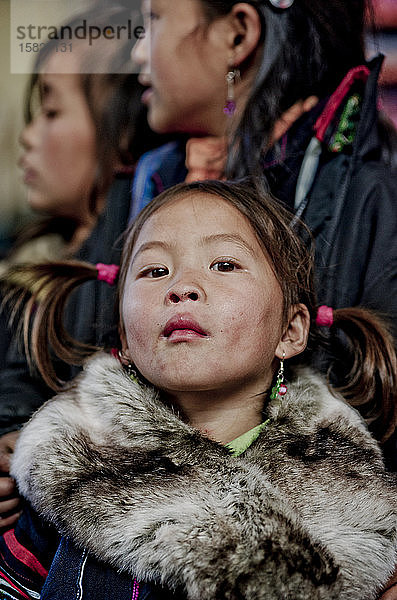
<point>156,123</point>
<point>41,204</point>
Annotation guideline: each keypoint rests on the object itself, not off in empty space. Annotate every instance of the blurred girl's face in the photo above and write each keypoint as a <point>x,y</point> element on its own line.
<point>187,61</point>
<point>202,308</point>
<point>59,158</point>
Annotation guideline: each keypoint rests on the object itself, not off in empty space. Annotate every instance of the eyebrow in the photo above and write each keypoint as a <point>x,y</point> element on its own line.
<point>149,245</point>
<point>47,90</point>
<point>234,238</point>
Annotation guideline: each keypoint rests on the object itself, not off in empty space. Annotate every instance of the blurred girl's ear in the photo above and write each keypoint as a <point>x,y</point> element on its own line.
<point>294,339</point>
<point>245,33</point>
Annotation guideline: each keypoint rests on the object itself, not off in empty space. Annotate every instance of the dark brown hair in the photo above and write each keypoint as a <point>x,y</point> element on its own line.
<point>361,360</point>
<point>305,50</point>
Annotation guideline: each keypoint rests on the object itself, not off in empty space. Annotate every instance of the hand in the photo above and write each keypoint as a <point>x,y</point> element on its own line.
<point>291,115</point>
<point>10,501</point>
<point>391,588</point>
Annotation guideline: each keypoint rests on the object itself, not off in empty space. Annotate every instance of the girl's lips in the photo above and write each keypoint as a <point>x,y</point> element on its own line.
<point>183,327</point>
<point>147,95</point>
<point>184,335</point>
<point>29,176</point>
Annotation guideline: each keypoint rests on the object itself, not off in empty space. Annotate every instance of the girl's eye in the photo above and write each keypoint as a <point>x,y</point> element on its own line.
<point>50,113</point>
<point>155,272</point>
<point>224,266</point>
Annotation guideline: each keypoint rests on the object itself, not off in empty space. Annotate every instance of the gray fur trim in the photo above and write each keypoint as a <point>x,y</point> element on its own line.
<point>308,511</point>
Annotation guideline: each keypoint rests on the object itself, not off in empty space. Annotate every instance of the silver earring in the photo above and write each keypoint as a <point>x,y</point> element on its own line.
<point>230,107</point>
<point>280,389</point>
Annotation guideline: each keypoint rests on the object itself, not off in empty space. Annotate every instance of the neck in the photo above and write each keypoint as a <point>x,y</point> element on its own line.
<point>84,228</point>
<point>80,234</point>
<point>218,416</point>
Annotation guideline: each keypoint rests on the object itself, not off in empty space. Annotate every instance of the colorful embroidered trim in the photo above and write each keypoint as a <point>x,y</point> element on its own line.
<point>359,73</point>
<point>135,590</point>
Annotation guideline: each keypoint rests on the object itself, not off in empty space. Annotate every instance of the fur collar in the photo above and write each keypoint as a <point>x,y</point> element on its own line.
<point>306,512</point>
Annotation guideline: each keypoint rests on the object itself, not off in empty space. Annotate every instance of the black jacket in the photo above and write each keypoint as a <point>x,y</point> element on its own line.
<point>352,213</point>
<point>90,314</point>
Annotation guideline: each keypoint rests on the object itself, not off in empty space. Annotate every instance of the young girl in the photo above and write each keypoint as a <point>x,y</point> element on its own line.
<point>283,90</point>
<point>195,462</point>
<point>71,150</point>
<point>82,136</point>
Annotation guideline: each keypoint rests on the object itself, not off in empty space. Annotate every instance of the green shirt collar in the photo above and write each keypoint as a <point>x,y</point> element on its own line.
<point>244,441</point>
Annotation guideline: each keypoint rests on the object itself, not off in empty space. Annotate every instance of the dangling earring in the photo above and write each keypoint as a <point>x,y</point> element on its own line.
<point>128,366</point>
<point>280,389</point>
<point>230,107</point>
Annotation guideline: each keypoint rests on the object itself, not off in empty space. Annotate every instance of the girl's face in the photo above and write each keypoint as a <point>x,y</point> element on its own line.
<point>59,159</point>
<point>187,61</point>
<point>202,308</point>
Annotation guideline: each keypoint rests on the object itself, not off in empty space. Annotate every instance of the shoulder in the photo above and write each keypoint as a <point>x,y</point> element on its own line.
<point>375,175</point>
<point>102,410</point>
<point>157,170</point>
<point>102,383</point>
<point>310,400</point>
<point>81,412</point>
<point>316,423</point>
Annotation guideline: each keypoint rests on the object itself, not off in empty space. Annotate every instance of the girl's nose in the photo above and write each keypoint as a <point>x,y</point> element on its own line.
<point>184,293</point>
<point>139,52</point>
<point>26,136</point>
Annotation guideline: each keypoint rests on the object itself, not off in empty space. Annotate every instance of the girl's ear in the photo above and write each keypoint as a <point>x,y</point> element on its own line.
<point>125,353</point>
<point>245,32</point>
<point>294,339</point>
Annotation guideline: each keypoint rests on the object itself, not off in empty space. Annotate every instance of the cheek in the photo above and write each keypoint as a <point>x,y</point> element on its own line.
<point>70,146</point>
<point>251,324</point>
<point>139,320</point>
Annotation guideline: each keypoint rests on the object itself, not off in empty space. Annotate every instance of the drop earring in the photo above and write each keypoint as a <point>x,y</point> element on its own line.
<point>230,107</point>
<point>128,366</point>
<point>280,389</point>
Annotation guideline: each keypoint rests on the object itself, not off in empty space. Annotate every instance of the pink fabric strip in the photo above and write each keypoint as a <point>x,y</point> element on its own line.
<point>23,555</point>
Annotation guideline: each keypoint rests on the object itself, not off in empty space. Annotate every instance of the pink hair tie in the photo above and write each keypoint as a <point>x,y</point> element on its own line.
<point>107,273</point>
<point>325,316</point>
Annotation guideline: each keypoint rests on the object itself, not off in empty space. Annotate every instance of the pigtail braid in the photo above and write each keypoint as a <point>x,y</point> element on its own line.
<point>365,368</point>
<point>37,295</point>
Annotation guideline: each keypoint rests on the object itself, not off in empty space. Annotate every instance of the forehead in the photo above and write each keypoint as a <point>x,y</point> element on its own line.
<point>63,62</point>
<point>200,214</point>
